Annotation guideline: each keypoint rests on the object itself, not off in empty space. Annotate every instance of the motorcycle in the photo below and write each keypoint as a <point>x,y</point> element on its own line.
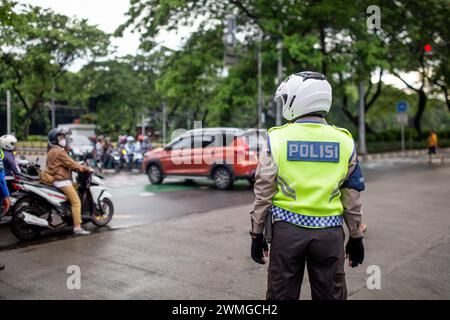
<point>138,157</point>
<point>133,160</point>
<point>113,161</point>
<point>89,160</point>
<point>27,167</point>
<point>49,209</point>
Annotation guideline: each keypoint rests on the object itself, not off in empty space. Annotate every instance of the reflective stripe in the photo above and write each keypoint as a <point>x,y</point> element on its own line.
<point>285,192</point>
<point>306,221</point>
<point>310,121</point>
<point>288,188</point>
<point>285,188</point>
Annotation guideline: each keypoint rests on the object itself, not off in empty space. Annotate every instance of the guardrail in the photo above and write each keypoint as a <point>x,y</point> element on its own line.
<point>31,147</point>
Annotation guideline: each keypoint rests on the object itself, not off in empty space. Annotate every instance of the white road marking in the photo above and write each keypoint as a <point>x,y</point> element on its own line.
<point>146,194</point>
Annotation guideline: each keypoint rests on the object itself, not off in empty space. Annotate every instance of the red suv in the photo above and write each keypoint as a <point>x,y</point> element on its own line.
<point>221,154</point>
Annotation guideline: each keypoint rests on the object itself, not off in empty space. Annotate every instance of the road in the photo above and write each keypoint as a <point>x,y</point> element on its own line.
<point>206,255</point>
<point>137,202</point>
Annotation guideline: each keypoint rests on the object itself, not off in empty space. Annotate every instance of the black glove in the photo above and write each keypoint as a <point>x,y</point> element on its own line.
<point>355,251</point>
<point>258,248</point>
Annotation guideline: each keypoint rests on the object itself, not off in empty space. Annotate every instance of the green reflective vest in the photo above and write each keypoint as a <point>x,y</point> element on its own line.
<point>312,160</point>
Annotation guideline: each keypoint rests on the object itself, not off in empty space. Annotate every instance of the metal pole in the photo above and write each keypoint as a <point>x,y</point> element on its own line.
<point>53,107</point>
<point>164,123</point>
<point>142,124</point>
<point>8,112</point>
<point>188,120</point>
<point>279,76</point>
<point>260,94</point>
<point>403,136</point>
<point>361,120</point>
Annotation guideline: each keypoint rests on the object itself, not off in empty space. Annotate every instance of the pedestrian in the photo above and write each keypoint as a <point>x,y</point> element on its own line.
<point>4,193</point>
<point>432,147</point>
<point>308,182</point>
<point>59,166</point>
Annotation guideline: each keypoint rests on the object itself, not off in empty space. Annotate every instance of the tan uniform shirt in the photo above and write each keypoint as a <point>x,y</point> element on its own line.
<point>266,188</point>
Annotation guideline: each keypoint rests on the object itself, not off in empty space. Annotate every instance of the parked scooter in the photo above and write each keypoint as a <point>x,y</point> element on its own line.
<point>50,209</point>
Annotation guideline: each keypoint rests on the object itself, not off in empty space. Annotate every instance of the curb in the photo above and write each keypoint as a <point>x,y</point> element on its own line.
<point>397,154</point>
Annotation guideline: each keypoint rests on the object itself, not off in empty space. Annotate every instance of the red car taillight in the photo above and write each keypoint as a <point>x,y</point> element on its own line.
<point>16,186</point>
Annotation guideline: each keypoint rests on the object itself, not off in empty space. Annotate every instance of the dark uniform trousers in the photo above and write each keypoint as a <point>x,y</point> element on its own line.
<point>322,250</point>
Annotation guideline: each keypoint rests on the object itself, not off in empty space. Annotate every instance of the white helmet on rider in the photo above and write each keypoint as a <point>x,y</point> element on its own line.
<point>130,139</point>
<point>8,142</point>
<point>304,93</point>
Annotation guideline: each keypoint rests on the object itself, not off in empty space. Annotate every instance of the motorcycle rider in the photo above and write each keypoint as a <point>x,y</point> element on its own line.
<point>8,144</point>
<point>146,145</point>
<point>139,144</point>
<point>4,193</point>
<point>121,143</point>
<point>107,151</point>
<point>130,148</point>
<point>59,165</point>
<point>100,149</point>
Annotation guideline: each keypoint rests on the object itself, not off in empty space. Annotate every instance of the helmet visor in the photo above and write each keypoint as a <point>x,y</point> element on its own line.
<point>283,97</point>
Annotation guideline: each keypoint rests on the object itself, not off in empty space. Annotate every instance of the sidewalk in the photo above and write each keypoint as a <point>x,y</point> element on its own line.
<point>206,255</point>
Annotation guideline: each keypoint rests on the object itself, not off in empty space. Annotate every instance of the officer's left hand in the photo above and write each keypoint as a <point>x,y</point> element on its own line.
<point>354,251</point>
<point>259,249</point>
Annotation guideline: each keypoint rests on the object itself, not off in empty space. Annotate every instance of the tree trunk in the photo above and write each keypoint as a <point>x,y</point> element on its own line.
<point>26,128</point>
<point>353,118</point>
<point>420,110</point>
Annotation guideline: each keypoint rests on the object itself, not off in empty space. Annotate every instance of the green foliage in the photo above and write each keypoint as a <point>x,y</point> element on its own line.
<point>36,51</point>
<point>330,36</point>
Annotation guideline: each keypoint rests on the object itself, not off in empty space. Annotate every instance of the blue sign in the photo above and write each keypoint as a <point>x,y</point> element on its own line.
<point>313,151</point>
<point>402,106</point>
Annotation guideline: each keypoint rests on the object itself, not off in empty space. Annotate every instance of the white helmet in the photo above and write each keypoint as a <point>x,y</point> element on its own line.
<point>8,142</point>
<point>304,93</point>
<point>130,139</point>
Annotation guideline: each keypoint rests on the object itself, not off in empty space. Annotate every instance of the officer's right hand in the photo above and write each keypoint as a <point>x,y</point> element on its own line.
<point>355,251</point>
<point>260,249</point>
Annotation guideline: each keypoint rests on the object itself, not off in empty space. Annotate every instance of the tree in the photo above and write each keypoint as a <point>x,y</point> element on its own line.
<point>328,36</point>
<point>118,91</point>
<point>419,23</point>
<point>36,52</point>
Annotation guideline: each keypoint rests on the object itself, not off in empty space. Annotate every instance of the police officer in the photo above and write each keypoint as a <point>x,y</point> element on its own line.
<point>4,193</point>
<point>308,182</point>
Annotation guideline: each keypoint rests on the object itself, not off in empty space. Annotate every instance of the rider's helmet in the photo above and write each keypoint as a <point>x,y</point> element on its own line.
<point>140,137</point>
<point>54,133</point>
<point>8,142</point>
<point>304,93</point>
<point>130,139</point>
<point>101,138</point>
<point>122,139</point>
<point>93,138</point>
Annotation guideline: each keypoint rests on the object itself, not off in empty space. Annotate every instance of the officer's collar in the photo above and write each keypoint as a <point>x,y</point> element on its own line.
<point>311,120</point>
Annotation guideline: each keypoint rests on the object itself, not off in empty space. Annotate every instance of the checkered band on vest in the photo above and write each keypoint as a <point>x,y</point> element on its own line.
<point>306,221</point>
